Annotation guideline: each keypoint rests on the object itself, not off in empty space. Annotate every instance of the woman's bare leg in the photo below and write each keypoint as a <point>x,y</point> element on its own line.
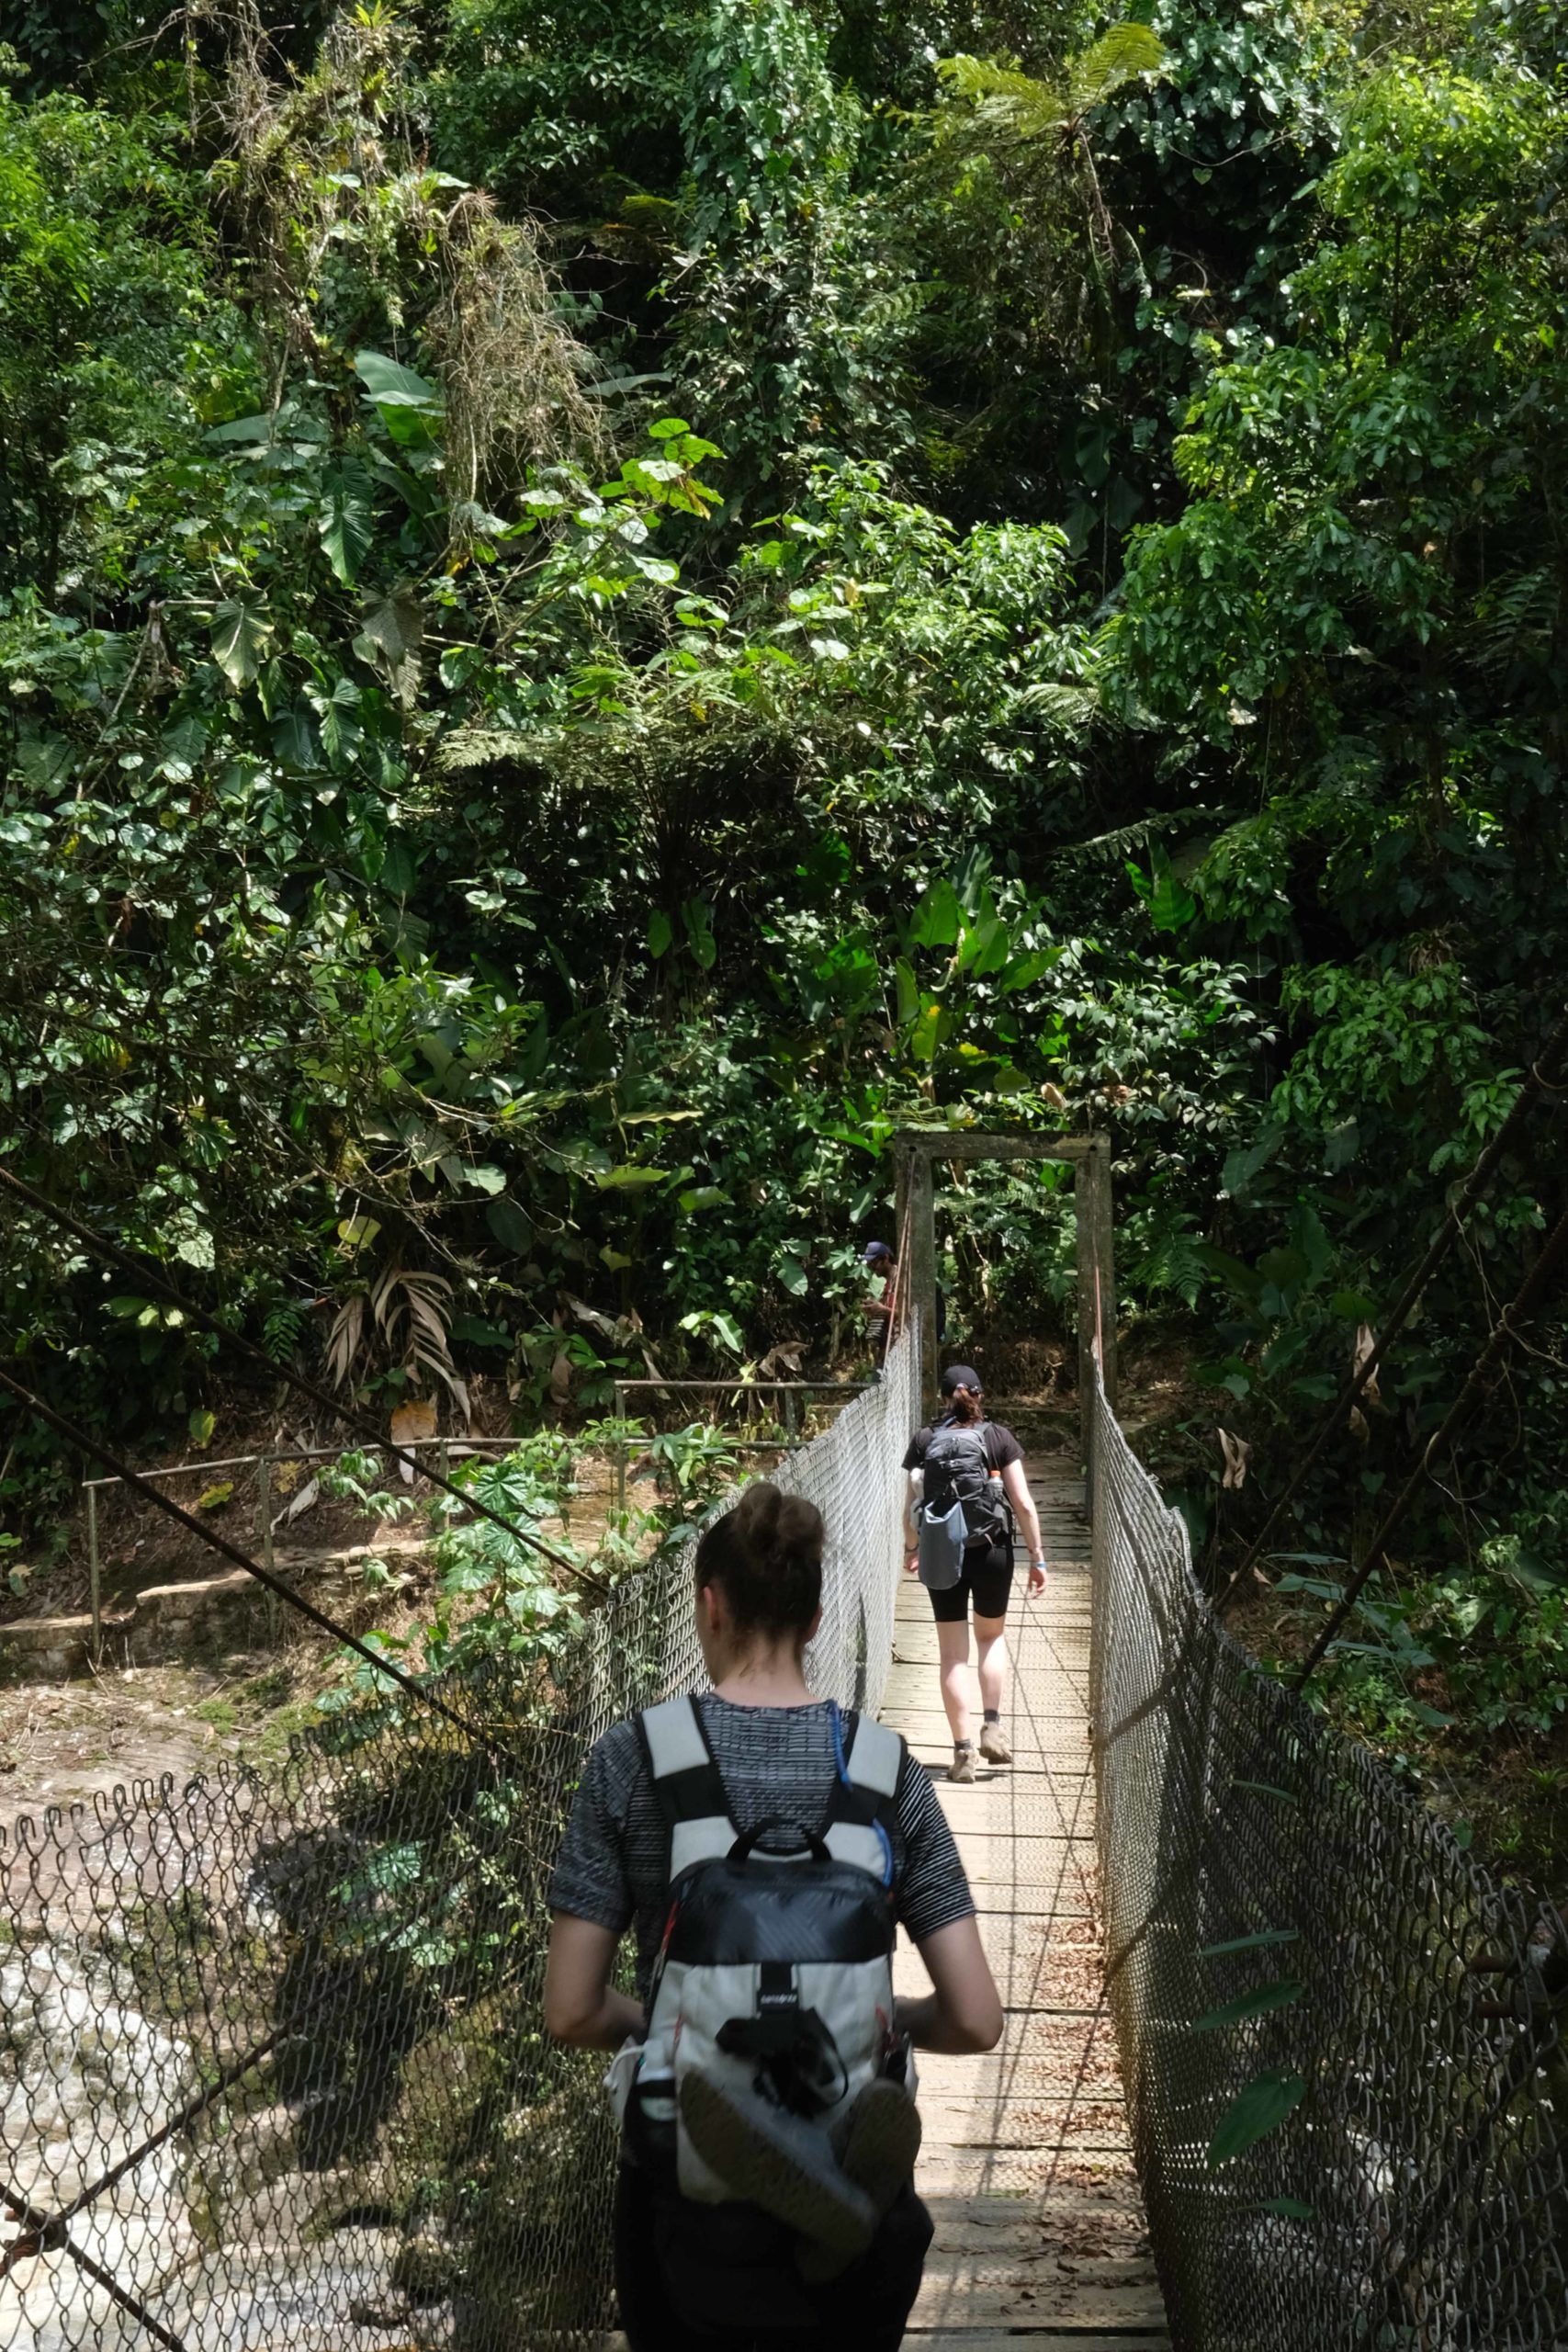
<point>953,1649</point>
<point>991,1640</point>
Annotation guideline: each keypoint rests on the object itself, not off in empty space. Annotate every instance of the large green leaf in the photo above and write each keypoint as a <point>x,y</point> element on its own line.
<point>931,1025</point>
<point>938,917</point>
<point>1261,2107</point>
<point>240,633</point>
<point>390,385</point>
<point>293,739</point>
<point>345,524</point>
<point>394,623</point>
<point>1170,903</point>
<point>412,410</point>
<point>510,1228</point>
<point>1251,1943</point>
<point>908,990</point>
<point>1255,2003</point>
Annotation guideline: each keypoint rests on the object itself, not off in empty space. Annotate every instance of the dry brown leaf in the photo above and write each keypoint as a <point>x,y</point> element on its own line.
<point>306,1499</point>
<point>412,1421</point>
<point>561,1380</point>
<point>1237,1453</point>
<point>1365,1343</point>
<point>1358,1429</point>
<point>342,1346</point>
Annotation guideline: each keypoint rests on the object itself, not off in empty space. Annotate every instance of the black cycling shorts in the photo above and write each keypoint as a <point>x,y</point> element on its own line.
<point>987,1578</point>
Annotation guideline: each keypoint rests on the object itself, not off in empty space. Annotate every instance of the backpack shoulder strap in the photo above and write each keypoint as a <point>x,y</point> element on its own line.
<point>861,1812</point>
<point>687,1785</point>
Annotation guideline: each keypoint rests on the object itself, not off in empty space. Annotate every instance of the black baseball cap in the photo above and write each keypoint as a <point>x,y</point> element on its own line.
<point>959,1376</point>
<point>876,1250</point>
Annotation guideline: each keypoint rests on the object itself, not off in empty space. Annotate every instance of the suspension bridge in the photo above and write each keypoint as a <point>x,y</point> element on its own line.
<point>1283,2067</point>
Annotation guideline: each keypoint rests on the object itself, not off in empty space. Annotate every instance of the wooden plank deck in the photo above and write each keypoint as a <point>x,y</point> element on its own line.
<point>1040,2234</point>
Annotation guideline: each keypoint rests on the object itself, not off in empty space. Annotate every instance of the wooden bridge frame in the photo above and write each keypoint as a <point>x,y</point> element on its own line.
<point>916,1148</point>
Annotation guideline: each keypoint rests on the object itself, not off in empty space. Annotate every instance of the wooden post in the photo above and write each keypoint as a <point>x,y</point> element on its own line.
<point>922,1265</point>
<point>900,1196</point>
<point>1097,1276</point>
<point>1105,1261</point>
<point>93,1599</point>
<point>1083,1205</point>
<point>264,1495</point>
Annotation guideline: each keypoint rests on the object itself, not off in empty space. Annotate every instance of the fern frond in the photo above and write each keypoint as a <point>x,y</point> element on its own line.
<point>1024,107</point>
<point>1073,706</point>
<point>1118,57</point>
<point>1109,849</point>
<point>1011,101</point>
<point>1175,1263</point>
<point>1515,619</point>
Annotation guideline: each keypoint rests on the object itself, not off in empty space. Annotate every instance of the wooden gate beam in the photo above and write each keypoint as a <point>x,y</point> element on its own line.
<point>916,1148</point>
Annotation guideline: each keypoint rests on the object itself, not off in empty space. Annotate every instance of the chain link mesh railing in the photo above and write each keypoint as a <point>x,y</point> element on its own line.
<point>272,2071</point>
<point>1415,2194</point>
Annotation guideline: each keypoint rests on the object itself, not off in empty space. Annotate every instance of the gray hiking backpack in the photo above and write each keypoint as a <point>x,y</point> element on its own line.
<point>958,1468</point>
<point>776,1976</point>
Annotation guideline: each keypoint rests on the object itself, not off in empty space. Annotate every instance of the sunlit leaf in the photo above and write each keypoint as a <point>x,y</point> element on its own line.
<point>239,634</point>
<point>390,385</point>
<point>345,524</point>
<point>792,1276</point>
<point>394,623</point>
<point>1265,1936</point>
<point>1255,2003</point>
<point>1261,2107</point>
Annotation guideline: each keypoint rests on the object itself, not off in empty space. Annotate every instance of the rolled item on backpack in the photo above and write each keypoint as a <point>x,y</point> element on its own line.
<point>942,1538</point>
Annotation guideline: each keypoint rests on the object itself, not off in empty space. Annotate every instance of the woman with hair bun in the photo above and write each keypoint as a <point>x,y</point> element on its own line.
<point>780,1752</point>
<point>964,1458</point>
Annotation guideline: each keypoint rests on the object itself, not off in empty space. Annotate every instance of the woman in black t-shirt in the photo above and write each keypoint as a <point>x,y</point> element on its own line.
<point>987,1578</point>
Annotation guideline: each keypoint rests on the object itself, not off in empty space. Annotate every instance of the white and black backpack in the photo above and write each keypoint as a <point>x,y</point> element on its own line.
<point>775,1975</point>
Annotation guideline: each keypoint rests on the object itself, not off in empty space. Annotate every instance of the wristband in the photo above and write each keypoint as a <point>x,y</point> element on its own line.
<point>1039,1562</point>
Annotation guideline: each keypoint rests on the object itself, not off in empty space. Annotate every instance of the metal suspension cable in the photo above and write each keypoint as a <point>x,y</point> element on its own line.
<point>347,1414</point>
<point>1521,1305</point>
<point>76,1435</point>
<point>40,2238</point>
<point>1544,1076</point>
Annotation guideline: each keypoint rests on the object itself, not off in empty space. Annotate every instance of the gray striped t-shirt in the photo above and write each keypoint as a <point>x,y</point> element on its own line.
<point>776,1762</point>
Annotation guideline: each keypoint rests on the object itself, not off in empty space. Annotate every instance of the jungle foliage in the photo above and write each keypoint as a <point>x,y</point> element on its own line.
<point>598,605</point>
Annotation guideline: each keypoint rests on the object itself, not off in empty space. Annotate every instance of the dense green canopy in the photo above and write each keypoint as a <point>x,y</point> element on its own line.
<point>599,603</point>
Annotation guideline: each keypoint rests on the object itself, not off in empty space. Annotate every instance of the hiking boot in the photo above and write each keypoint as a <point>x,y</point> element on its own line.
<point>879,2141</point>
<point>777,2161</point>
<point>993,1746</point>
<point>963,1765</point>
<point>876,2143</point>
